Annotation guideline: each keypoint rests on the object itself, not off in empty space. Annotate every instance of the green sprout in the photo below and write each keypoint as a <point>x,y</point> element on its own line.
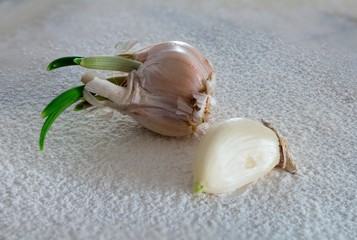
<point>73,95</point>
<point>56,107</point>
<point>197,188</point>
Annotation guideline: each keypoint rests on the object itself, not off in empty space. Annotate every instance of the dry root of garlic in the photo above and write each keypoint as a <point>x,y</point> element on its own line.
<point>237,152</point>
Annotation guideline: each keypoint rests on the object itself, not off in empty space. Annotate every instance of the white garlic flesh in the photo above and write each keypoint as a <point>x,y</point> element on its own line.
<point>237,152</point>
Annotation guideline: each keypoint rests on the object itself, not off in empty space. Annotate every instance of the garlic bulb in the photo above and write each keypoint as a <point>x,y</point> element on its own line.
<point>167,87</point>
<point>170,93</point>
<point>237,152</point>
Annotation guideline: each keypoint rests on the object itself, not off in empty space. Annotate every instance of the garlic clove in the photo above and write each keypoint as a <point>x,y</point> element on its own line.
<point>233,154</point>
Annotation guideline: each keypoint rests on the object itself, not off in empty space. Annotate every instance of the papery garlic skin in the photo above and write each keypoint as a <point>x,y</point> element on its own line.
<point>233,154</point>
<point>170,93</point>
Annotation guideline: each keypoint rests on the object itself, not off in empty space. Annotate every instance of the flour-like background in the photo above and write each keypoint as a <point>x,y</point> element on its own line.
<point>291,64</point>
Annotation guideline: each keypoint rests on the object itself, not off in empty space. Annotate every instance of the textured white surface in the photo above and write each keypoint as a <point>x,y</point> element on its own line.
<point>116,180</point>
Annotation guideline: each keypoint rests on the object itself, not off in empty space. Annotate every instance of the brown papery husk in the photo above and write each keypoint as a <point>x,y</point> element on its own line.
<point>286,160</point>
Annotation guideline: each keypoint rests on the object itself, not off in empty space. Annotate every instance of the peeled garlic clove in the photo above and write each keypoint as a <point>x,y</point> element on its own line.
<point>235,153</point>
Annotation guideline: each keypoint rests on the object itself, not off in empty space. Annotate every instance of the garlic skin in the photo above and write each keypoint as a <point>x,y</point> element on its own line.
<point>233,154</point>
<point>170,93</point>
